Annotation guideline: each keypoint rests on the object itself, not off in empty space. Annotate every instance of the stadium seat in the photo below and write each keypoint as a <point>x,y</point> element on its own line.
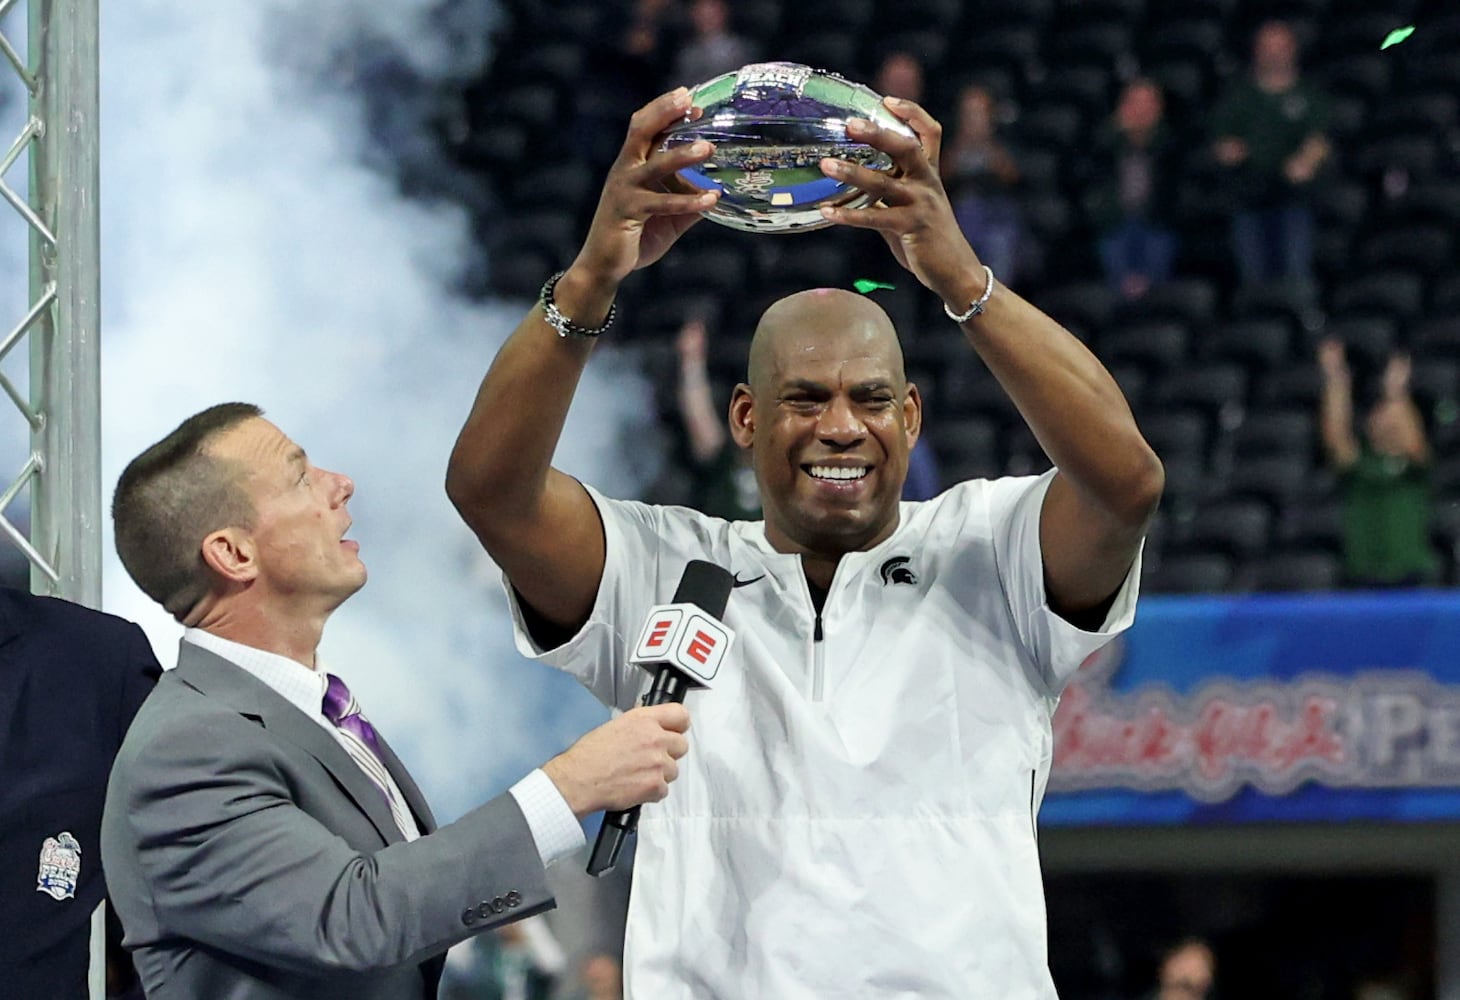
<point>1297,384</point>
<point>1085,306</point>
<point>836,50</point>
<point>965,449</point>
<point>1186,82</point>
<point>1276,480</point>
<point>1058,125</point>
<point>1429,202</point>
<point>1365,74</point>
<point>1192,301</point>
<point>1260,345</point>
<point>1368,340</point>
<point>938,14</point>
<point>1218,390</point>
<point>1340,202</point>
<point>1422,248</point>
<point>1286,298</point>
<point>1277,433</point>
<point>1089,86</point>
<point>1189,37</point>
<point>553,232</point>
<point>1438,338</point>
<point>758,20</point>
<point>1098,42</point>
<point>721,269</point>
<point>1296,570</point>
<point>1445,295</point>
<point>1435,383</point>
<point>570,183</point>
<point>1316,524</point>
<point>1239,528</point>
<point>1156,347</point>
<point>1187,482</point>
<point>1415,153</point>
<point>1188,573</point>
<point>968,389</point>
<point>852,16</point>
<point>1175,434</point>
<point>1394,292</point>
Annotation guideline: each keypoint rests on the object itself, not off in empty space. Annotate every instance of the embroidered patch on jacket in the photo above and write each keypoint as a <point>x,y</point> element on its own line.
<point>895,570</point>
<point>60,867</point>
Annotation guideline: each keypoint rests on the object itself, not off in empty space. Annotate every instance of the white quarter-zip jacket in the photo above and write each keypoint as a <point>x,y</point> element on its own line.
<point>856,814</point>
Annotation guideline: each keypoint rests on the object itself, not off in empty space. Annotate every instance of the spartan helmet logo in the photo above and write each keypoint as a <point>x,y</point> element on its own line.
<point>895,570</point>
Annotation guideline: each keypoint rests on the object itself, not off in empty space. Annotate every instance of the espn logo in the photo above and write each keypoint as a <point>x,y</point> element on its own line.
<point>686,637</point>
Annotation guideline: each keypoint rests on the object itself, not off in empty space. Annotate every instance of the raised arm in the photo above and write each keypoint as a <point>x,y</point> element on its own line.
<point>1336,406</point>
<point>538,524</point>
<point>1410,426</point>
<point>704,428</point>
<point>1109,480</point>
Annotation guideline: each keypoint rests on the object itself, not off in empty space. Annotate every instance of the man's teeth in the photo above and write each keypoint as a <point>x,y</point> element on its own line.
<point>838,472</point>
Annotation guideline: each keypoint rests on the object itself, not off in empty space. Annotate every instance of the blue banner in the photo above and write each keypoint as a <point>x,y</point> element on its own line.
<point>1264,708</point>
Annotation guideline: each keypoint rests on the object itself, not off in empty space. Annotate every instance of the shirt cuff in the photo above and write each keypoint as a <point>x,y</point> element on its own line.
<point>555,829</point>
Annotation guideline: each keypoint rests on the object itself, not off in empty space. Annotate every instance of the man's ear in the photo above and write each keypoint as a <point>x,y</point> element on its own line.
<point>230,553</point>
<point>742,415</point>
<point>912,414</point>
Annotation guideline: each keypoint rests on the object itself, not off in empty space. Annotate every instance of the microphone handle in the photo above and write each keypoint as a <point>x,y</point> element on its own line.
<point>669,686</point>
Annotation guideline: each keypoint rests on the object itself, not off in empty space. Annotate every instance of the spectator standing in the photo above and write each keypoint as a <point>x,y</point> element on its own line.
<point>1132,198</point>
<point>1384,477</point>
<point>980,174</point>
<point>521,961</point>
<point>712,48</point>
<point>600,977</point>
<point>900,74</point>
<point>1187,972</point>
<point>722,482</point>
<point>1270,140</point>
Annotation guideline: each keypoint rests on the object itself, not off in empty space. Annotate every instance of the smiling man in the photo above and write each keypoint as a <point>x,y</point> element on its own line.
<point>261,839</point>
<point>858,815</point>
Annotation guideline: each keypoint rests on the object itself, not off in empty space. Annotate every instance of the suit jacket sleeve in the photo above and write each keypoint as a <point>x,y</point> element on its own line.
<point>226,858</point>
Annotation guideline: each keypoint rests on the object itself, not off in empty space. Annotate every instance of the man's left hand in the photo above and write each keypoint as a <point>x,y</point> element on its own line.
<point>910,208</point>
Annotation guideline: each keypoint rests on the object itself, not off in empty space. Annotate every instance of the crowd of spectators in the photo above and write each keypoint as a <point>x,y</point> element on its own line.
<point>1204,192</point>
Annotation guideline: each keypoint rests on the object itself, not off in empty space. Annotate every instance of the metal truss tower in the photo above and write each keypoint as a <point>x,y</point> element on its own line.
<point>60,322</point>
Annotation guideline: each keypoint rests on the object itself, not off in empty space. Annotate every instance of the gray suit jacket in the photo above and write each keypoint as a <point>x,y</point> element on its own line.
<point>248,856</point>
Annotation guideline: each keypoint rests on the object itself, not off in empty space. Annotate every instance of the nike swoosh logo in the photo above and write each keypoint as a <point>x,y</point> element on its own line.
<point>737,582</point>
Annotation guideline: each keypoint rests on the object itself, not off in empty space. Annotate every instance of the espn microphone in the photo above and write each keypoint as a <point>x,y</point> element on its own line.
<point>682,646</point>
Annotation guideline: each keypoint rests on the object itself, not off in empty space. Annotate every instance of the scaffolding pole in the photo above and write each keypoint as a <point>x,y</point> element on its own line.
<point>65,350</point>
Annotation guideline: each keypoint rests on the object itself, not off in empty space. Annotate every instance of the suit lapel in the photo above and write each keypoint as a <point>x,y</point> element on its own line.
<point>251,697</point>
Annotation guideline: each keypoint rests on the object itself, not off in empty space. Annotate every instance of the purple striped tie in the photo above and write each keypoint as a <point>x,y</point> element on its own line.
<point>341,708</point>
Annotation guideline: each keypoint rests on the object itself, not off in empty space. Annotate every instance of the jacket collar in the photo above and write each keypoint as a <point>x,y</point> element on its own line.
<point>216,677</point>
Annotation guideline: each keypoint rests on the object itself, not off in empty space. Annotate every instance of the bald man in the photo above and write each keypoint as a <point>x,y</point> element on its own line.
<point>857,817</point>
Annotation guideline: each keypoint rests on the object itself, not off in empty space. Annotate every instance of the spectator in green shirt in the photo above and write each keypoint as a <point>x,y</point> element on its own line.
<point>1384,478</point>
<point>1270,142</point>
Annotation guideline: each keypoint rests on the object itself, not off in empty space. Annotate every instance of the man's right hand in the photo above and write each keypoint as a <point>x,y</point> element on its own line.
<point>637,220</point>
<point>624,762</point>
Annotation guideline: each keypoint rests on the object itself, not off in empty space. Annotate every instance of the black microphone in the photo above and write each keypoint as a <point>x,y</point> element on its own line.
<point>682,646</point>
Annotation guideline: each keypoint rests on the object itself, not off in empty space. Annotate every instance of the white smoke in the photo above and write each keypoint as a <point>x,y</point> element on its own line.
<point>248,255</point>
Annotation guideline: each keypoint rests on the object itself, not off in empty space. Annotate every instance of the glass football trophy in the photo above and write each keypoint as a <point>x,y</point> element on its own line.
<point>771,124</point>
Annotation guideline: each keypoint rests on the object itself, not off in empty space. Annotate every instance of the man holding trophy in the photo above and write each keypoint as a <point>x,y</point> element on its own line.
<point>857,817</point>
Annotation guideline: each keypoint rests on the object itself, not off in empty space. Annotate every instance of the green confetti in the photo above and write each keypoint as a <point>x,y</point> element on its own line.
<point>866,285</point>
<point>1397,35</point>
